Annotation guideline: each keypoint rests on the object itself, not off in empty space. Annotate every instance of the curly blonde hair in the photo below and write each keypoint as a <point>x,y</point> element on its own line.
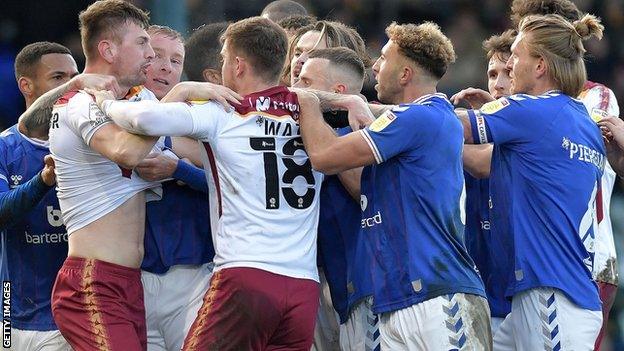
<point>424,44</point>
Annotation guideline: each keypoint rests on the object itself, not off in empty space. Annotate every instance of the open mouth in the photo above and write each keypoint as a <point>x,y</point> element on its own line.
<point>161,81</point>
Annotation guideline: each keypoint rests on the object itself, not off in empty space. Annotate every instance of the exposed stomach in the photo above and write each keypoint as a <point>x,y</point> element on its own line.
<point>117,237</point>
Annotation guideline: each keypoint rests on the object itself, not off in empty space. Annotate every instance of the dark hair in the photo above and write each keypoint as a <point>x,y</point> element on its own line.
<point>203,50</point>
<point>565,8</point>
<point>261,41</point>
<point>296,22</point>
<point>424,44</point>
<point>104,19</point>
<point>344,58</point>
<point>28,58</point>
<point>500,44</point>
<point>280,9</point>
<point>338,34</point>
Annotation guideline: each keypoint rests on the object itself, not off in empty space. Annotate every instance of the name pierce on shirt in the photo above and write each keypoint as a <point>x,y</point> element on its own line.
<point>583,153</point>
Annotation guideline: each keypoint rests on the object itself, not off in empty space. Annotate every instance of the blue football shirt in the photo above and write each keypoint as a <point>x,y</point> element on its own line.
<point>544,181</point>
<point>411,206</point>
<point>35,247</point>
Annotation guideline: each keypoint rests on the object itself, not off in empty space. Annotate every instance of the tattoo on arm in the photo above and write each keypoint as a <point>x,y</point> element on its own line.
<point>36,119</point>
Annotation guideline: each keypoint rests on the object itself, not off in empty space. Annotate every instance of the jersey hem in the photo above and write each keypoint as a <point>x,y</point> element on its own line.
<point>271,269</point>
<point>413,300</point>
<point>591,307</point>
<point>43,327</point>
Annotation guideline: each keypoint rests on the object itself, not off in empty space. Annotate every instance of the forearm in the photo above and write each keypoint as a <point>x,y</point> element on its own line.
<point>464,118</point>
<point>35,121</point>
<point>477,160</point>
<point>150,117</point>
<point>378,109</point>
<point>193,176</point>
<point>316,134</point>
<point>16,203</point>
<point>351,181</point>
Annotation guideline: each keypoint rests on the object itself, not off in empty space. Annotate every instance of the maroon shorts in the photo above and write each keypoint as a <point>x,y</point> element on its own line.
<point>252,309</point>
<point>607,296</point>
<point>99,305</point>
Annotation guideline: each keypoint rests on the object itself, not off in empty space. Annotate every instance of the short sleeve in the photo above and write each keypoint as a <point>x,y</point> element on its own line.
<point>504,121</point>
<point>208,120</point>
<point>84,117</point>
<point>600,102</point>
<point>396,131</point>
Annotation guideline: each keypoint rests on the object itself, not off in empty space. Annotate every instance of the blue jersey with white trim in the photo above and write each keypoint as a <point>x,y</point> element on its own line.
<point>411,206</point>
<point>545,177</point>
<point>34,247</point>
<point>484,245</point>
<point>177,228</point>
<point>341,247</point>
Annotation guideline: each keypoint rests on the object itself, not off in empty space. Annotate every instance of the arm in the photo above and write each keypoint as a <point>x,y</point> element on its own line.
<point>16,203</point>
<point>329,153</point>
<point>477,160</point>
<point>464,118</point>
<point>188,148</point>
<point>120,146</point>
<point>161,167</point>
<point>193,176</point>
<point>35,121</point>
<point>350,180</point>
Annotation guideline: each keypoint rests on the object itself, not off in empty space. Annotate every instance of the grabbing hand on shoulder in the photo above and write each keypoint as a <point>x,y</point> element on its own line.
<point>189,91</point>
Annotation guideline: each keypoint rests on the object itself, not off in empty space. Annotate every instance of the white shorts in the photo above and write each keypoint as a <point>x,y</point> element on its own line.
<point>496,322</point>
<point>34,340</point>
<point>171,303</point>
<point>361,331</point>
<point>544,319</point>
<point>326,332</point>
<point>448,322</point>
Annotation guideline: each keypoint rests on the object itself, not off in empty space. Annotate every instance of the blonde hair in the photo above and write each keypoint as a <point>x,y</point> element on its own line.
<point>560,43</point>
<point>425,45</point>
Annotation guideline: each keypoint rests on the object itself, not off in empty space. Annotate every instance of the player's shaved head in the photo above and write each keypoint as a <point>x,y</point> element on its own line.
<point>345,65</point>
<point>203,49</point>
<point>105,19</point>
<point>261,41</point>
<point>424,44</point>
<point>500,44</point>
<point>522,8</point>
<point>29,57</point>
<point>280,9</point>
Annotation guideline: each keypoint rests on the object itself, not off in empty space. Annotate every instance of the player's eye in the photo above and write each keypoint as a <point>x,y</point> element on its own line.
<point>58,77</point>
<point>176,62</point>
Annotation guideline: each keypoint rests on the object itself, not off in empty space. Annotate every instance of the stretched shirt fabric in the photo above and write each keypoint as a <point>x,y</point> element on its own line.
<point>545,176</point>
<point>411,206</point>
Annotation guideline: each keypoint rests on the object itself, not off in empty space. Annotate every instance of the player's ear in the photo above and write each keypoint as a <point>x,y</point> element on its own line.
<point>339,88</point>
<point>407,74</point>
<point>212,76</point>
<point>241,66</point>
<point>540,67</point>
<point>26,85</point>
<point>107,50</point>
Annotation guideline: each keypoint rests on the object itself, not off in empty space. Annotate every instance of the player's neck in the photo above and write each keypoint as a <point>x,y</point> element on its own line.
<point>249,86</point>
<point>413,92</point>
<point>543,86</point>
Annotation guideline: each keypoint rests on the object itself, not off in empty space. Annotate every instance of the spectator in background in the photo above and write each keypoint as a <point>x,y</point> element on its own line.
<point>280,9</point>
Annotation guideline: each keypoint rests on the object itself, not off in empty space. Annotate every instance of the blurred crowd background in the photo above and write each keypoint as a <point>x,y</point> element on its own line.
<point>466,22</point>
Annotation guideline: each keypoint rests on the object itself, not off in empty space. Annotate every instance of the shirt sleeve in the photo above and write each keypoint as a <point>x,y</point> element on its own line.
<point>505,121</point>
<point>84,117</point>
<point>600,102</point>
<point>396,131</point>
<point>208,120</point>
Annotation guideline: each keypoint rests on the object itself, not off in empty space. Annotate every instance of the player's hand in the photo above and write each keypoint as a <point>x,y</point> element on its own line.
<point>47,174</point>
<point>156,167</point>
<point>188,91</point>
<point>474,97</point>
<point>360,115</point>
<point>612,130</point>
<point>100,95</point>
<point>96,82</point>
